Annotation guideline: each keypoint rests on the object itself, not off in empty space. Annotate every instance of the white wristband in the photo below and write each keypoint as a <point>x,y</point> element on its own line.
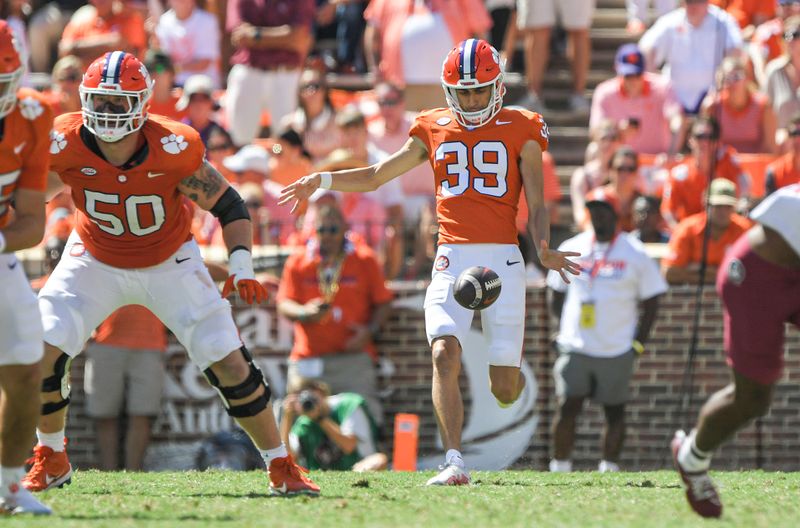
<point>240,264</point>
<point>2,242</point>
<point>325,180</point>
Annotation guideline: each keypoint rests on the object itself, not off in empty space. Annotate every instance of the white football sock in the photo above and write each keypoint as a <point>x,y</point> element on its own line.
<point>10,478</point>
<point>453,456</point>
<point>691,458</point>
<point>271,454</point>
<point>560,466</point>
<point>606,466</point>
<point>54,441</point>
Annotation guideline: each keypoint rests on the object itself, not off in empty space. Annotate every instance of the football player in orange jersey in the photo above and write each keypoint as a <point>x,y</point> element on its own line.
<point>482,155</point>
<point>25,122</point>
<point>130,175</point>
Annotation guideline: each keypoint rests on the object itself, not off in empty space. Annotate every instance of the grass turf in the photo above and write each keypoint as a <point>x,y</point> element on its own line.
<point>498,499</point>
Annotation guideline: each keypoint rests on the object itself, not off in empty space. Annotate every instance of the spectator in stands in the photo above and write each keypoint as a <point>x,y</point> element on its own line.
<point>596,171</point>
<point>190,36</point>
<point>536,19</point>
<point>648,221</point>
<point>600,333</point>
<point>783,79</point>
<point>786,169</point>
<point>125,370</point>
<point>66,77</point>
<point>218,147</point>
<point>331,432</point>
<point>45,29</point>
<point>643,102</point>
<point>344,21</point>
<point>682,263</point>
<point>691,42</point>
<point>767,43</point>
<point>289,160</point>
<point>683,191</point>
<point>624,184</point>
<point>334,292</point>
<point>354,137</point>
<point>746,119</point>
<point>252,165</point>
<point>197,101</point>
<point>504,33</point>
<point>271,44</point>
<point>748,13</point>
<point>637,13</point>
<point>314,118</point>
<point>108,25</point>
<point>405,39</point>
<point>164,100</point>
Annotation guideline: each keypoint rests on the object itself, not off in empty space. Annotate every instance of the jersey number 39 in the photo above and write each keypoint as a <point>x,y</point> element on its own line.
<point>493,150</point>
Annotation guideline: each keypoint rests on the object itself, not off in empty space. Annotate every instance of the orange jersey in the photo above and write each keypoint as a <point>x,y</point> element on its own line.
<point>24,161</point>
<point>683,191</point>
<point>478,181</point>
<point>362,286</point>
<point>686,242</point>
<point>781,172</point>
<point>132,326</point>
<point>129,217</point>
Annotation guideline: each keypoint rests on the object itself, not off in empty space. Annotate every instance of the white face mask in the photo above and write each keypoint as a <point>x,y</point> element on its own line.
<point>476,118</point>
<point>9,83</point>
<point>112,126</point>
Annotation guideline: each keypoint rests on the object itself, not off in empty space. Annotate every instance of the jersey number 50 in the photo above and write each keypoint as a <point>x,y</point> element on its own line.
<point>460,167</point>
<point>113,225</point>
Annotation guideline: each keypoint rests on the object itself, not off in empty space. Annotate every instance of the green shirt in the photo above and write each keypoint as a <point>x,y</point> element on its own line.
<point>350,412</point>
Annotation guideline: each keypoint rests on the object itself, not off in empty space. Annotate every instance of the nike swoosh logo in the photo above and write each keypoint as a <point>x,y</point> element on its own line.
<point>509,263</point>
<point>498,122</point>
<point>282,489</point>
<point>154,174</point>
<point>12,265</point>
<point>48,479</point>
<point>19,147</point>
<point>178,261</point>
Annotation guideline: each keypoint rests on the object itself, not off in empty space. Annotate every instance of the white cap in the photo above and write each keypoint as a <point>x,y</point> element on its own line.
<point>249,157</point>
<point>195,84</point>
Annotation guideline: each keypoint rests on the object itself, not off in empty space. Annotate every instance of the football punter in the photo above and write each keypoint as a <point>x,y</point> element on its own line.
<point>483,156</point>
<point>130,176</point>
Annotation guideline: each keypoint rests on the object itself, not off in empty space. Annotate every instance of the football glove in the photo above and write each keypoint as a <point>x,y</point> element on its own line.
<point>242,278</point>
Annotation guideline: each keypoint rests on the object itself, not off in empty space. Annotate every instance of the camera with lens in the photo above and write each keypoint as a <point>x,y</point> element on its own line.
<point>308,400</point>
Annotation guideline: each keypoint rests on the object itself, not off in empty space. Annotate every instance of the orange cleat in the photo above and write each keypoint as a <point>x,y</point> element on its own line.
<point>49,469</point>
<point>287,478</point>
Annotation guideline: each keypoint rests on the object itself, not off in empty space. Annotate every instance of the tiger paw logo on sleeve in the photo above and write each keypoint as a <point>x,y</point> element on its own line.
<point>173,144</point>
<point>30,108</point>
<point>57,142</point>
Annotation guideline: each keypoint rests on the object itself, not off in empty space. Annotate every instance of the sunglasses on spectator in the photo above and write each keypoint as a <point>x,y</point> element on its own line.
<point>310,87</point>
<point>626,168</point>
<point>704,136</point>
<point>253,204</point>
<point>795,132</point>
<point>632,75</point>
<point>390,102</point>
<point>70,77</point>
<point>328,230</point>
<point>734,76</point>
<point>222,146</point>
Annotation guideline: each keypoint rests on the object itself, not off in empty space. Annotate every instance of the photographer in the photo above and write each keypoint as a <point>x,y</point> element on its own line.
<point>330,432</point>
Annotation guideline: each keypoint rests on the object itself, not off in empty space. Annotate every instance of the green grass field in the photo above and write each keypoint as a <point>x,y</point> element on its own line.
<point>498,499</point>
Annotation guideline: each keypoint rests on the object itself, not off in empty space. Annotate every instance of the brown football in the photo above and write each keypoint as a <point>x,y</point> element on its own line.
<point>477,288</point>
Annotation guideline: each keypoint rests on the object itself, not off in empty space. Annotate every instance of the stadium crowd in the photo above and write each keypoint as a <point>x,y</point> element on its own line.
<point>709,93</point>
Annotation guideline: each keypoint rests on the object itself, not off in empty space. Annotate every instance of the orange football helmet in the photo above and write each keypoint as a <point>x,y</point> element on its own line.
<point>472,64</point>
<point>118,78</point>
<point>11,69</point>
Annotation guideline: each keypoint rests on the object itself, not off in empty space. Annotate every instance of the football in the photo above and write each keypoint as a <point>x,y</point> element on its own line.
<point>477,288</point>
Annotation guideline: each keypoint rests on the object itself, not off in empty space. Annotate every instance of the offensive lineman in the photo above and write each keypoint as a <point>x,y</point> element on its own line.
<point>25,122</point>
<point>130,175</point>
<point>759,283</point>
<point>483,156</point>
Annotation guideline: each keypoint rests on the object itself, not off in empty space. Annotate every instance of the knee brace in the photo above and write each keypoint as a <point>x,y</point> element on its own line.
<point>250,385</point>
<point>59,381</point>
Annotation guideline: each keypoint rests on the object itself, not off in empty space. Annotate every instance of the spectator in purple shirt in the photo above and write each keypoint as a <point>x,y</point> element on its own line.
<point>271,39</point>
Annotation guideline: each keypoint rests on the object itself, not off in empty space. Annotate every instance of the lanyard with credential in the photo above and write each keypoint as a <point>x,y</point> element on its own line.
<point>588,316</point>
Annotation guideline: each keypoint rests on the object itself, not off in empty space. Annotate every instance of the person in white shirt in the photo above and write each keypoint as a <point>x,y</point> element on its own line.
<point>759,283</point>
<point>601,330</point>
<point>190,36</point>
<point>691,42</point>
